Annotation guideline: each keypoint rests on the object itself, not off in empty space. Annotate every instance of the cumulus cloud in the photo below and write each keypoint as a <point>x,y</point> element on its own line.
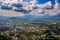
<point>37,12</point>
<point>52,12</point>
<point>29,5</point>
<point>56,4</point>
<point>48,4</point>
<point>10,13</point>
<point>41,9</point>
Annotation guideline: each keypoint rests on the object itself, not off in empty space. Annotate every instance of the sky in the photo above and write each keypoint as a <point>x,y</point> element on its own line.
<point>44,1</point>
<point>30,7</point>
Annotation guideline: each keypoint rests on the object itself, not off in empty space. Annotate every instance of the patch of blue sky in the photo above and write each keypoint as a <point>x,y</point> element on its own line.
<point>27,0</point>
<point>44,1</point>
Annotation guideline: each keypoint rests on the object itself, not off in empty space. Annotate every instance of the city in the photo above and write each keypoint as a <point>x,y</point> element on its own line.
<point>29,19</point>
<point>30,29</point>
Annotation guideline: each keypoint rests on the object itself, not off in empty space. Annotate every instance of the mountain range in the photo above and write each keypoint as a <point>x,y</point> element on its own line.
<point>46,17</point>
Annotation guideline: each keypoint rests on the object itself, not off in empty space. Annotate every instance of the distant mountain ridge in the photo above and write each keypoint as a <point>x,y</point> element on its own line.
<point>56,17</point>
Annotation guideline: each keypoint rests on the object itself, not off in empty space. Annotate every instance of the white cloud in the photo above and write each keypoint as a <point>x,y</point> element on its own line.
<point>10,13</point>
<point>48,4</point>
<point>45,5</point>
<point>40,11</point>
<point>52,12</point>
<point>37,12</point>
<point>56,4</point>
<point>29,5</point>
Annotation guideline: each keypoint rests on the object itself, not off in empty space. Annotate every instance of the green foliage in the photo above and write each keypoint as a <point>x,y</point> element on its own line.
<point>4,38</point>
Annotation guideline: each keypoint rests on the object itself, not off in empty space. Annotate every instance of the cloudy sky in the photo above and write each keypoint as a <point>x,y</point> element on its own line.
<point>30,7</point>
